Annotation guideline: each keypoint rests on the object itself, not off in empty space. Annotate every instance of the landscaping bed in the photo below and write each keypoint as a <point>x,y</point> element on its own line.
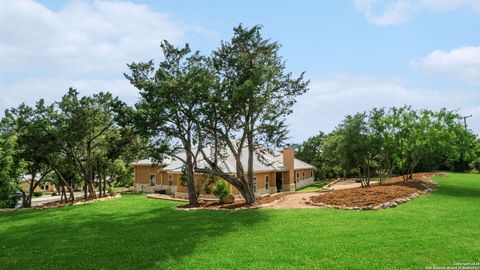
<point>389,194</point>
<point>57,204</point>
<point>238,204</point>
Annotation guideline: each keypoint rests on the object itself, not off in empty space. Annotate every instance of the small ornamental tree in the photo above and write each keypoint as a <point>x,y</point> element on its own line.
<point>221,190</point>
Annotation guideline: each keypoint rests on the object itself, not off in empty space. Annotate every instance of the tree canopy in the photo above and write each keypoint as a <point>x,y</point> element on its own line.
<point>391,141</point>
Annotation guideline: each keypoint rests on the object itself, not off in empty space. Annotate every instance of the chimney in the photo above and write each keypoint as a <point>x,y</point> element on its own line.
<point>288,161</point>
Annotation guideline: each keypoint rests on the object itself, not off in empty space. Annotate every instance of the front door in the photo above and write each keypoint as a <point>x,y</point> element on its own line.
<point>279,181</point>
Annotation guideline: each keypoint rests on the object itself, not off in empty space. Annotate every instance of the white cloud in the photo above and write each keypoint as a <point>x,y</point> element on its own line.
<point>460,63</point>
<point>84,44</point>
<point>392,12</point>
<point>330,99</point>
<point>81,38</point>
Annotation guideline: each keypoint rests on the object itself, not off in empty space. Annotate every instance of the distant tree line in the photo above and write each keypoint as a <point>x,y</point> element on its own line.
<point>395,141</point>
<point>77,141</point>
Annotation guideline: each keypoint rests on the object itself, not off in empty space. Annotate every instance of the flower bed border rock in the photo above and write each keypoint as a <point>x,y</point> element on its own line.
<point>46,206</point>
<point>227,208</point>
<point>390,204</point>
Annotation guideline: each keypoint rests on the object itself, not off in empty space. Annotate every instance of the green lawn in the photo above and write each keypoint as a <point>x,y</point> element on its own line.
<point>316,186</point>
<point>138,233</point>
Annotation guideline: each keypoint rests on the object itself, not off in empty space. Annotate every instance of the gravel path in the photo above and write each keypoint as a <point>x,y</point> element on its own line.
<point>296,200</point>
<point>345,184</point>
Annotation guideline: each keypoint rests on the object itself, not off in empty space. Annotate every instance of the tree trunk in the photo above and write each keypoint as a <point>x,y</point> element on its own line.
<point>239,181</point>
<point>27,202</point>
<point>91,189</point>
<point>63,183</point>
<point>100,194</point>
<point>62,192</point>
<point>247,194</point>
<point>24,198</point>
<point>60,189</point>
<point>251,152</point>
<point>367,179</point>
<point>192,193</point>
<point>104,185</point>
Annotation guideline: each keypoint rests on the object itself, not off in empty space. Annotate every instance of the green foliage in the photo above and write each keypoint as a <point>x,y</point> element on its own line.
<point>9,169</point>
<point>221,190</point>
<point>169,102</point>
<point>111,191</point>
<point>78,139</point>
<point>246,106</point>
<point>12,202</point>
<point>395,141</point>
<point>37,194</point>
<point>238,96</point>
<point>312,151</point>
<point>120,172</point>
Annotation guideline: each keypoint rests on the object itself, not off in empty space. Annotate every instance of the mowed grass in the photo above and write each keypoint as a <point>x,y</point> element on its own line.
<point>316,186</point>
<point>134,232</point>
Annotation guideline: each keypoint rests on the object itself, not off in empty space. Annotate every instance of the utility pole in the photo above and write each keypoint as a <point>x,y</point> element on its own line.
<point>465,120</point>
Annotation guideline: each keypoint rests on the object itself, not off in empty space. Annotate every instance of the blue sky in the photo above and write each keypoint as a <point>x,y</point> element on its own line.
<point>358,54</point>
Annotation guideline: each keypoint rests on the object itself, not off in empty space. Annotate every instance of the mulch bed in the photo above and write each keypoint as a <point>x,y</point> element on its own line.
<point>237,205</point>
<point>391,193</point>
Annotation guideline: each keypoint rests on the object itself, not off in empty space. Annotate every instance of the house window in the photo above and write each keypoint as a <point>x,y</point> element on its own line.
<point>254,184</point>
<point>303,175</point>
<point>298,176</point>
<point>311,173</point>
<point>153,179</point>
<point>267,179</point>
<point>170,179</point>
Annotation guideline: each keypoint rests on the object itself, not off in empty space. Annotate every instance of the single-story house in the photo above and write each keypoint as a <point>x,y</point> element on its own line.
<point>278,171</point>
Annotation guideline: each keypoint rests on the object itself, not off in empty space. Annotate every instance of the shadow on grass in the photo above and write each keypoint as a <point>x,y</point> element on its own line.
<point>112,235</point>
<point>458,191</point>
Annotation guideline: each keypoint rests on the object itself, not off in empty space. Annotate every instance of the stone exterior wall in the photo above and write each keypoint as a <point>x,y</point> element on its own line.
<point>304,183</point>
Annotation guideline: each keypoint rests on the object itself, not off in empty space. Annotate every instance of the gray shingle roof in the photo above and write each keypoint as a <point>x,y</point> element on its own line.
<point>272,161</point>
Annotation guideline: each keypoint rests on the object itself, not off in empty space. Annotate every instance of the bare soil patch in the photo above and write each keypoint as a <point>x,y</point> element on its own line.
<point>391,193</point>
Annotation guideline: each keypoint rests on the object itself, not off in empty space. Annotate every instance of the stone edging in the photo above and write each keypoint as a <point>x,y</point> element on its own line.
<point>154,196</point>
<point>234,209</point>
<point>62,205</point>
<point>390,204</point>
